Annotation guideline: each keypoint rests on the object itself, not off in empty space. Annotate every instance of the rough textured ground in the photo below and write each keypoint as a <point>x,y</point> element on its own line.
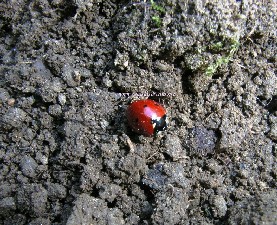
<point>68,70</point>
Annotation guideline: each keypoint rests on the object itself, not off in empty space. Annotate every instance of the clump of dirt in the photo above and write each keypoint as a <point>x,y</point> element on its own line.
<point>201,141</point>
<point>69,69</point>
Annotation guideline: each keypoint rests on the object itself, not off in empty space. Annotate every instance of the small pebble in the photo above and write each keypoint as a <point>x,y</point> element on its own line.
<point>28,166</point>
<point>11,101</point>
<point>62,99</point>
<point>55,110</point>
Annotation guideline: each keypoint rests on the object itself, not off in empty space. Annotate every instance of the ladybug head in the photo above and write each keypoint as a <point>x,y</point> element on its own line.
<point>159,124</point>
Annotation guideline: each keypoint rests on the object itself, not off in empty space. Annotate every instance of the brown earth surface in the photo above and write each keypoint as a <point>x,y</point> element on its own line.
<point>69,69</point>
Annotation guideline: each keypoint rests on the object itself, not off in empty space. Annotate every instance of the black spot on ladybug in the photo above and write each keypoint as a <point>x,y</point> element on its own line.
<point>144,106</point>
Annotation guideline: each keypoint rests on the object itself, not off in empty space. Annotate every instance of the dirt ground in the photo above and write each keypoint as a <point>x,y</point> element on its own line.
<point>69,69</point>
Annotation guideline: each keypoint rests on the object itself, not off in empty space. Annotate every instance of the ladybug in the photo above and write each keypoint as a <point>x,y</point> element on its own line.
<point>146,117</point>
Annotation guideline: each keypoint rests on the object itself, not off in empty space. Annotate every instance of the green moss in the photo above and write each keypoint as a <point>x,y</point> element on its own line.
<point>157,20</point>
<point>232,47</point>
<point>159,9</point>
<point>216,46</point>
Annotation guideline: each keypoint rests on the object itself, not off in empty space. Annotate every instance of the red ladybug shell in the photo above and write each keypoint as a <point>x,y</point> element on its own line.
<point>146,117</point>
